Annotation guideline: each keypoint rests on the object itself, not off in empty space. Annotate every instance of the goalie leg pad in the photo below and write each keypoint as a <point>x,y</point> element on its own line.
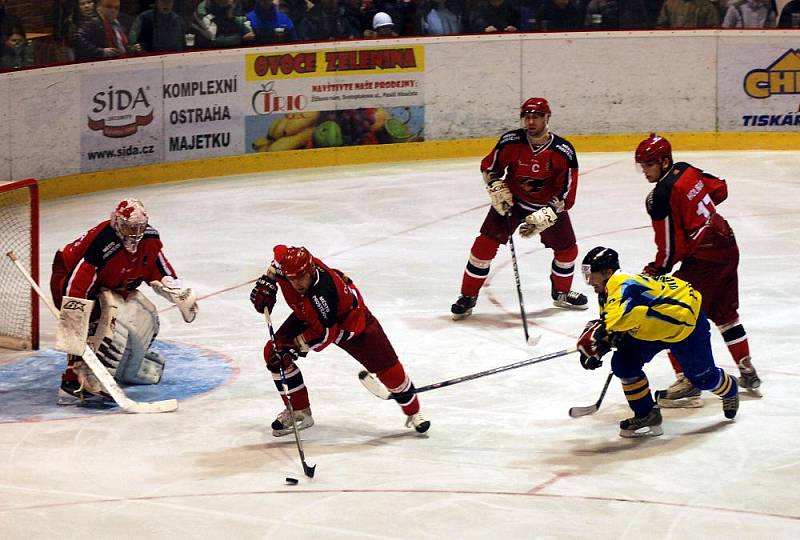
<point>137,327</point>
<point>73,325</point>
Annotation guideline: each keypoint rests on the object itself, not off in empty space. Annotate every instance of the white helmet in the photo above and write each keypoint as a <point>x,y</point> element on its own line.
<point>129,221</point>
<point>381,19</point>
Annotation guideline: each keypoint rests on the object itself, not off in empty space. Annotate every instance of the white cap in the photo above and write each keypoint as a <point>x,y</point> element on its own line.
<point>381,19</point>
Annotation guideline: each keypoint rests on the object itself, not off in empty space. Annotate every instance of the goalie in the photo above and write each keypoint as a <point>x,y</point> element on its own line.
<point>94,283</point>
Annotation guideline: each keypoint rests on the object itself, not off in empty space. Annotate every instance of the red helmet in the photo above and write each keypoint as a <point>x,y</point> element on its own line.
<point>653,149</point>
<point>534,105</point>
<point>293,261</point>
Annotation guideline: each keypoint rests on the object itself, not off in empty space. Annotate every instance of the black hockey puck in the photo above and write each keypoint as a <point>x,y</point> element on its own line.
<point>291,481</point>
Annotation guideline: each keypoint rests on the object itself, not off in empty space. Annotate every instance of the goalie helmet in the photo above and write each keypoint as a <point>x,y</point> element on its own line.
<point>653,149</point>
<point>129,221</point>
<point>293,261</point>
<point>599,259</point>
<point>534,105</point>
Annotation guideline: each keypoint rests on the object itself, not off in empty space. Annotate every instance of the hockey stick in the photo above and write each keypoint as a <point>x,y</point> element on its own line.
<point>577,412</point>
<point>530,340</point>
<point>309,471</point>
<point>97,367</point>
<point>376,387</point>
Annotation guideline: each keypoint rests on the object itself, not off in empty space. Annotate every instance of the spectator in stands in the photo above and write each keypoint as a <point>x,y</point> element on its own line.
<point>271,25</point>
<point>360,13</point>
<point>493,16</point>
<point>104,36</point>
<point>559,15</point>
<point>159,29</point>
<point>616,14</point>
<point>7,20</point>
<point>440,19</point>
<point>688,14</point>
<point>790,15</point>
<point>750,14</point>
<point>216,24</point>
<point>17,49</point>
<point>295,9</point>
<point>404,14</point>
<point>328,20</point>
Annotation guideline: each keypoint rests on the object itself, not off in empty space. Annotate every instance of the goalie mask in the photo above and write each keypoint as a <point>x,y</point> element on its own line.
<point>293,262</point>
<point>599,259</point>
<point>129,221</point>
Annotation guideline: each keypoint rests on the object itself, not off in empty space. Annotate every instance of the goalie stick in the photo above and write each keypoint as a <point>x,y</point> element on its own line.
<point>308,470</point>
<point>117,394</point>
<point>377,388</point>
<point>529,339</point>
<point>577,412</point>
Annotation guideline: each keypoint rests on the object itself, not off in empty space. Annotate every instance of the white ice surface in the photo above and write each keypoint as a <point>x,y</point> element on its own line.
<point>502,458</point>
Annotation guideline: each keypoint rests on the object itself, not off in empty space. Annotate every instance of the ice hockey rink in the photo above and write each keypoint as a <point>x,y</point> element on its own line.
<point>502,458</point>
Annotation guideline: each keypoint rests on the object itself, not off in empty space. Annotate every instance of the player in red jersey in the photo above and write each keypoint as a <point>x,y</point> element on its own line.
<point>532,178</point>
<point>107,264</point>
<point>327,308</point>
<point>688,229</point>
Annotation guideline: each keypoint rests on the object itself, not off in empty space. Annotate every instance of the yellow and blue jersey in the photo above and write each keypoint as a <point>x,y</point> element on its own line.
<point>651,309</point>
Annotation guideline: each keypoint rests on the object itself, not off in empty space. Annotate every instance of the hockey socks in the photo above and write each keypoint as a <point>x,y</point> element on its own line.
<point>295,386</point>
<point>483,251</point>
<point>401,387</point>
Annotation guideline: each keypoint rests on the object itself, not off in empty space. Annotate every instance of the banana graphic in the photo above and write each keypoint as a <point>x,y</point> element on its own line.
<point>292,142</point>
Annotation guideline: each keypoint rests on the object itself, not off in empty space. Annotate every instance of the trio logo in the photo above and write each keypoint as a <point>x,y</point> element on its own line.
<point>267,101</point>
<point>781,77</point>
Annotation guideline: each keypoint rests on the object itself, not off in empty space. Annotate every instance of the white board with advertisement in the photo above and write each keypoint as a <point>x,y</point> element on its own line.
<point>333,97</point>
<point>122,116</point>
<point>759,83</point>
<point>204,107</point>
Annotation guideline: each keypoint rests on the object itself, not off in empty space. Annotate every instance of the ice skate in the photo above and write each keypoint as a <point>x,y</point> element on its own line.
<point>680,395</point>
<point>463,307</point>
<point>649,426</point>
<point>282,425</point>
<point>569,300</point>
<point>730,406</point>
<point>418,422</point>
<point>73,393</point>
<point>748,378</point>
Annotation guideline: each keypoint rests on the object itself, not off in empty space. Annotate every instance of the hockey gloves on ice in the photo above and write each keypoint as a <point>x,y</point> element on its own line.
<point>264,294</point>
<point>593,344</point>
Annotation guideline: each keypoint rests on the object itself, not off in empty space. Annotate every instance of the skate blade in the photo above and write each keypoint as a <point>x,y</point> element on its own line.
<point>460,316</point>
<point>566,305</point>
<point>647,431</point>
<point>682,403</point>
<point>752,392</point>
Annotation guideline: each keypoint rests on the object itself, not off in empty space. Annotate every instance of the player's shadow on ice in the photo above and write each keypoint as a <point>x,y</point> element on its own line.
<point>499,320</point>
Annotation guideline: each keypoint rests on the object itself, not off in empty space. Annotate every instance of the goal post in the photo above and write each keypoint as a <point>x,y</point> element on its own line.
<point>19,232</point>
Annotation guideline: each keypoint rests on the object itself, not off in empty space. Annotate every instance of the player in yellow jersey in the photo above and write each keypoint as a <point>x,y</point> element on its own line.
<point>640,316</point>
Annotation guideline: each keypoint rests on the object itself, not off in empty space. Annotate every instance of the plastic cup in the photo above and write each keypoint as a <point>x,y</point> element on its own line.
<point>189,40</point>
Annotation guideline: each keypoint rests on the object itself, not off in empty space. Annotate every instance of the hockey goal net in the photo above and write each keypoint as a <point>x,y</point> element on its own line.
<point>19,233</point>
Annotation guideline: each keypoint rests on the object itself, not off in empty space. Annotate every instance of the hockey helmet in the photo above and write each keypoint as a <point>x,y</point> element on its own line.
<point>293,261</point>
<point>534,105</point>
<point>598,259</point>
<point>653,149</point>
<point>129,221</point>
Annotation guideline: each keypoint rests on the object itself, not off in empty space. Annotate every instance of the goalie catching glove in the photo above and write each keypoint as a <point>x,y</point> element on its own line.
<point>595,341</point>
<point>538,221</point>
<point>264,294</point>
<point>172,289</point>
<point>502,200</point>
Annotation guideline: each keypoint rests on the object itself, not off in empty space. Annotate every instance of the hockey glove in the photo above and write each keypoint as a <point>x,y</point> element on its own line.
<point>281,358</point>
<point>593,344</point>
<point>557,205</point>
<point>537,222</point>
<point>502,200</point>
<point>652,270</point>
<point>264,294</point>
<point>184,297</point>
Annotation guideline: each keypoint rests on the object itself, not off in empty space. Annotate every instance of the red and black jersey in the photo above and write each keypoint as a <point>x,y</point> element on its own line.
<point>535,174</point>
<point>683,211</point>
<point>332,309</point>
<point>98,259</point>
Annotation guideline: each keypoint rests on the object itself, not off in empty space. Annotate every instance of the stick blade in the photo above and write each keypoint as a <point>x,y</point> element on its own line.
<point>372,384</point>
<point>577,412</point>
<point>533,340</point>
<point>309,471</point>
<point>152,407</point>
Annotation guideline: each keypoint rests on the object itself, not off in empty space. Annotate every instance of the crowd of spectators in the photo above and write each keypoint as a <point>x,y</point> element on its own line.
<point>96,29</point>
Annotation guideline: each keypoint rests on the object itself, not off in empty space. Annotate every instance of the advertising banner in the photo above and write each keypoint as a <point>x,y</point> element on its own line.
<point>330,98</point>
<point>759,85</point>
<point>204,108</point>
<point>121,120</point>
